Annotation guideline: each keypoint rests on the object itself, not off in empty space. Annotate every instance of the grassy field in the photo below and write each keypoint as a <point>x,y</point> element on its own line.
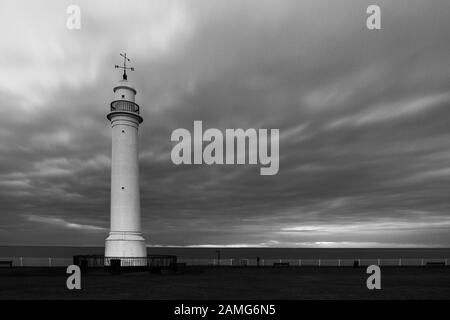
<point>229,283</point>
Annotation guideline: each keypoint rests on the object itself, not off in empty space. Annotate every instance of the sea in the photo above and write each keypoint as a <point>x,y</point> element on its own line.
<point>238,253</point>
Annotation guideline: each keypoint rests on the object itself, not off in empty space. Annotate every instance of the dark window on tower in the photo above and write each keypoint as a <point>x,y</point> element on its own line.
<point>123,96</point>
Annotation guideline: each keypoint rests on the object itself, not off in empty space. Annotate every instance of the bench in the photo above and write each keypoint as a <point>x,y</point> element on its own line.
<point>8,262</point>
<point>435,264</point>
<point>281,264</point>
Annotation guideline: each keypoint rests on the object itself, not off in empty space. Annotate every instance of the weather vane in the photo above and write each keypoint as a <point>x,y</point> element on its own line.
<point>125,68</point>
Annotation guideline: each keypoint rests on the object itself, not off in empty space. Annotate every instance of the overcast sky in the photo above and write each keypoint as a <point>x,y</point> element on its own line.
<point>364,119</point>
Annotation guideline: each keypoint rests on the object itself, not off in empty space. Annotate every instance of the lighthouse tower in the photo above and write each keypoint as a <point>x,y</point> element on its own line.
<point>125,238</point>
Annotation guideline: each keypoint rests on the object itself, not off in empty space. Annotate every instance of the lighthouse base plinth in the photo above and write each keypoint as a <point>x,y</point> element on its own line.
<point>125,245</point>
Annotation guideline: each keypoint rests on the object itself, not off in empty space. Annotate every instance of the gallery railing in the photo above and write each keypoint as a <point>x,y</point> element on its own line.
<point>124,105</point>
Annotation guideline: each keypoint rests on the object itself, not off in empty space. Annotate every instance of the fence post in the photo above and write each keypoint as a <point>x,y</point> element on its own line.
<point>319,262</point>
<point>299,262</point>
<point>399,262</point>
<point>379,262</point>
<point>339,262</point>
<point>21,261</point>
<point>49,261</point>
<point>421,262</point>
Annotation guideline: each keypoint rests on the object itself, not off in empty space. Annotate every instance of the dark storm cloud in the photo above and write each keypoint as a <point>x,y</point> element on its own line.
<point>363,118</point>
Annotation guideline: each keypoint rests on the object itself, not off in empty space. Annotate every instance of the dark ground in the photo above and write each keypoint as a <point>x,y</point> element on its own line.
<point>229,283</point>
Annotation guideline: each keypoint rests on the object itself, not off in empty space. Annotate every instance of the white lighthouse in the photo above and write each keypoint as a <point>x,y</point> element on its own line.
<point>125,238</point>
